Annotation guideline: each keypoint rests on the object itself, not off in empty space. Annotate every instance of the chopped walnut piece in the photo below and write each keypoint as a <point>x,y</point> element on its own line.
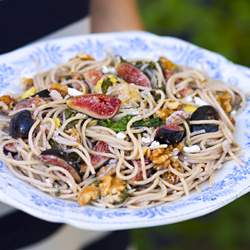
<point>115,198</point>
<point>7,103</point>
<point>164,114</point>
<point>167,64</point>
<point>170,178</point>
<point>88,193</point>
<point>166,164</point>
<point>162,166</point>
<point>111,185</point>
<point>82,56</point>
<point>158,156</point>
<point>172,104</point>
<point>106,170</point>
<point>76,75</point>
<point>26,83</point>
<point>225,101</point>
<point>161,155</point>
<point>62,89</point>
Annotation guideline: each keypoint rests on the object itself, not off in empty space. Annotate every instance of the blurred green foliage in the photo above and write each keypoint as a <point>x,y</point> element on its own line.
<point>226,229</point>
<point>218,25</point>
<point>222,26</point>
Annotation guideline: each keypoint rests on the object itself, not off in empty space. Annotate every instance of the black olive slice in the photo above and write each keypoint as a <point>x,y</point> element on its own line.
<point>170,134</point>
<point>42,93</point>
<point>59,158</point>
<point>204,113</point>
<point>20,124</point>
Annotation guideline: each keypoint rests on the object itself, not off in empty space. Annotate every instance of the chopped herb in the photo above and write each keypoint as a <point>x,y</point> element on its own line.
<point>150,65</point>
<point>124,197</point>
<point>162,88</point>
<point>121,125</point>
<point>138,65</point>
<point>188,121</point>
<point>121,59</point>
<point>105,85</point>
<point>74,157</point>
<point>68,77</point>
<point>157,121</point>
<point>160,63</point>
<point>68,114</point>
<point>157,96</point>
<point>54,144</point>
<point>146,67</point>
<point>58,192</point>
<point>96,183</point>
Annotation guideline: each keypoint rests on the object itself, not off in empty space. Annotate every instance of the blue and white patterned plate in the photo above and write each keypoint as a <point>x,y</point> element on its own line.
<point>231,181</point>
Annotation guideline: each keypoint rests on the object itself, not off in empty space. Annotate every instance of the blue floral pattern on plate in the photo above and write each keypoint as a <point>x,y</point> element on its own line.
<point>231,181</point>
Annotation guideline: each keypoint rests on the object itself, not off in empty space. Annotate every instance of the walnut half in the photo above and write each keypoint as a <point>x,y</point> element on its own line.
<point>88,193</point>
<point>161,155</point>
<point>111,185</point>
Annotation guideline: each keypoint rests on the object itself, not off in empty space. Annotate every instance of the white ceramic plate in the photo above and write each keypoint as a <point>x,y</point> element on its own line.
<point>231,181</point>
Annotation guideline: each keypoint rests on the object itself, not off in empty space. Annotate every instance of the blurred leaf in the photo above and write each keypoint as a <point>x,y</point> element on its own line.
<point>221,26</point>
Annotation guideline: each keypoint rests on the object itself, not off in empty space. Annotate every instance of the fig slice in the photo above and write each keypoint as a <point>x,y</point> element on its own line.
<point>36,100</point>
<point>92,76</point>
<point>99,106</point>
<point>139,175</point>
<point>57,157</point>
<point>170,134</point>
<point>98,160</point>
<point>131,74</point>
<point>10,147</point>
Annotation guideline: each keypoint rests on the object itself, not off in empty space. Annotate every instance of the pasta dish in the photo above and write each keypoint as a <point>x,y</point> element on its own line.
<point>132,133</point>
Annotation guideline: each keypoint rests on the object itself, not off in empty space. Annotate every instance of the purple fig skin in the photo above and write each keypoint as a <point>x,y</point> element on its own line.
<point>36,100</point>
<point>92,76</point>
<point>170,134</point>
<point>57,157</point>
<point>98,160</point>
<point>131,74</point>
<point>99,106</point>
<point>10,147</point>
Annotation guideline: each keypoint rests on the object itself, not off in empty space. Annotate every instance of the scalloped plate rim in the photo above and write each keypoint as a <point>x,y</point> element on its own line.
<point>131,224</point>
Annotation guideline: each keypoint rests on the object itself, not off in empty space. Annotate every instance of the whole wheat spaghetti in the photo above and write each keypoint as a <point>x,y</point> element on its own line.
<point>171,128</point>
